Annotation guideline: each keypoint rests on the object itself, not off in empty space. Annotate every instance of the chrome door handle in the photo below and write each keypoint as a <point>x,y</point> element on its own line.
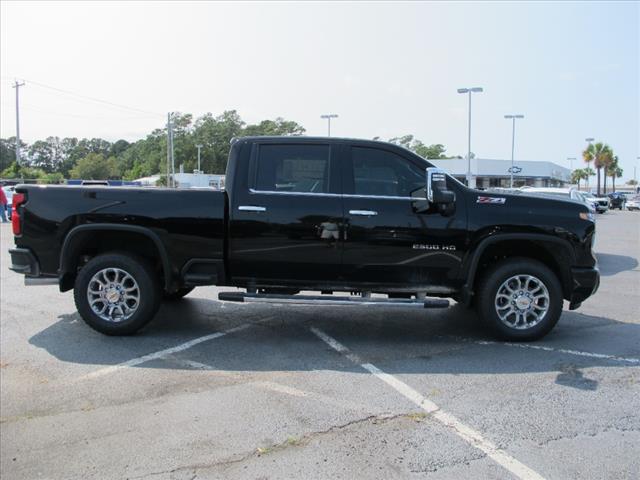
<point>251,208</point>
<point>363,213</point>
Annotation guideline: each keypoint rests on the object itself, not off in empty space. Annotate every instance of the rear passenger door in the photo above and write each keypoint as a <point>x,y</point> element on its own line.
<point>285,227</point>
<point>386,240</point>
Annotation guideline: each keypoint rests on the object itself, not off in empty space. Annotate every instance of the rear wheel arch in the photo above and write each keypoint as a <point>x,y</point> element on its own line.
<point>101,238</point>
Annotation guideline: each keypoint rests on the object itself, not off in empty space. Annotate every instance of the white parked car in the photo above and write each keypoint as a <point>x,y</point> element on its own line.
<point>633,203</point>
<point>602,203</point>
<point>567,193</point>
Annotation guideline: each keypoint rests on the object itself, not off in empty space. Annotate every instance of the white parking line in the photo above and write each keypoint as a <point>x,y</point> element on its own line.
<point>163,353</point>
<point>563,350</point>
<point>465,432</point>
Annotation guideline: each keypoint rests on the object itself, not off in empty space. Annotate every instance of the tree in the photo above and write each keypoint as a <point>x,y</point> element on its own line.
<point>55,178</point>
<point>8,151</point>
<point>614,171</point>
<point>118,148</point>
<point>589,172</point>
<point>215,135</point>
<point>608,159</point>
<point>277,127</point>
<point>22,171</point>
<point>47,154</point>
<point>98,158</point>
<point>598,153</point>
<point>95,167</point>
<point>579,174</point>
<point>434,151</point>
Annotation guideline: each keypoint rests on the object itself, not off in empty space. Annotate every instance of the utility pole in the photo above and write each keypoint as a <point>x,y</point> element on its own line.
<point>17,86</point>
<point>199,147</point>
<point>513,141</point>
<point>469,91</point>
<point>173,159</point>
<point>168,148</point>
<point>328,117</point>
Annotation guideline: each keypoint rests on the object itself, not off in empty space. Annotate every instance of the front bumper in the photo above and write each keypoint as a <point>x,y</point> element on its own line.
<point>585,283</point>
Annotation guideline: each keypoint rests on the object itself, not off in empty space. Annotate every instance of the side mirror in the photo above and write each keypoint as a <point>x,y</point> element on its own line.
<point>437,193</point>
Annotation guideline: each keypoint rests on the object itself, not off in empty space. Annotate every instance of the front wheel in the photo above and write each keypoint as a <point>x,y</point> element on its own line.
<point>117,294</point>
<point>520,299</point>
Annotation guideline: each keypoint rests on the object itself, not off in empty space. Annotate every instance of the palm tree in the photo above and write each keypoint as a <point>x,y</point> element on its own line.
<point>596,153</point>
<point>614,171</point>
<point>579,174</point>
<point>589,172</point>
<point>607,161</point>
<point>588,155</point>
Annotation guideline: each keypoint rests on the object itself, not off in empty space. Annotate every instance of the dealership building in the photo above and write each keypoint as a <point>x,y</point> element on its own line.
<point>486,173</point>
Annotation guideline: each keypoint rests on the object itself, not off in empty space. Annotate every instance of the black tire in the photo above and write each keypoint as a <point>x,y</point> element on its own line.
<point>178,294</point>
<point>148,293</point>
<point>496,277</point>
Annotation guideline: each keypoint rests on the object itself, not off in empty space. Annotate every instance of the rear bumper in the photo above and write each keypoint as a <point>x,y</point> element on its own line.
<point>585,283</point>
<point>25,262</point>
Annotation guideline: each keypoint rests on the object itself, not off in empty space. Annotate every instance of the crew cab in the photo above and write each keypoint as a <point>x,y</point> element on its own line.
<point>358,222</point>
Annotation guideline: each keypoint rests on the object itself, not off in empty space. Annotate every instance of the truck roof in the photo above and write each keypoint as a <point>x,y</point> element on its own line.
<point>315,139</point>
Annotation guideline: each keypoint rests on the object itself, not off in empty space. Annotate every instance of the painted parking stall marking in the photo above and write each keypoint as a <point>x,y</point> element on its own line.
<point>468,434</point>
<point>632,360</point>
<point>164,353</point>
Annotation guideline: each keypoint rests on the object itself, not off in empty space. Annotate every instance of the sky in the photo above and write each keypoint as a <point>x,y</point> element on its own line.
<point>387,69</point>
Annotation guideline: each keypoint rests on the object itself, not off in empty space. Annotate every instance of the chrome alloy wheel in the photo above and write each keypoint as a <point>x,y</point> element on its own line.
<point>113,295</point>
<point>522,301</point>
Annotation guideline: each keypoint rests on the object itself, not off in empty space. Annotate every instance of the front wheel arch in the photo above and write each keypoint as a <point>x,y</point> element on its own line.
<point>556,253</point>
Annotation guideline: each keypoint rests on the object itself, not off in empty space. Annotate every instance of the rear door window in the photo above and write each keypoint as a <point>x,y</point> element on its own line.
<point>293,168</point>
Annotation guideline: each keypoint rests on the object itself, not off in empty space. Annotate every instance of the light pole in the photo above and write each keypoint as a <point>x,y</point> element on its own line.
<point>588,140</point>
<point>571,159</point>
<point>469,91</point>
<point>513,140</point>
<point>328,117</point>
<point>199,147</point>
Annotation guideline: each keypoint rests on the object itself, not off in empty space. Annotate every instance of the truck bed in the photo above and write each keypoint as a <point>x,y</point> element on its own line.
<point>189,223</point>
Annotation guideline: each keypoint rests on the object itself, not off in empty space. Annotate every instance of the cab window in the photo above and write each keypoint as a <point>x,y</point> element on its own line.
<point>293,168</point>
<point>382,173</point>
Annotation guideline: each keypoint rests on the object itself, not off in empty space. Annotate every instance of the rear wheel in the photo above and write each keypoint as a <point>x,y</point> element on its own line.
<point>520,299</point>
<point>117,294</point>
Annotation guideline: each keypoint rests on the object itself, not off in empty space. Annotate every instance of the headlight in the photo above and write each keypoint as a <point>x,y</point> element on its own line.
<point>587,216</point>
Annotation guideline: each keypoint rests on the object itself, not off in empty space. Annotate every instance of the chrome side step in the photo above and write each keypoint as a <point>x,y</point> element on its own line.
<point>331,300</point>
<point>37,281</point>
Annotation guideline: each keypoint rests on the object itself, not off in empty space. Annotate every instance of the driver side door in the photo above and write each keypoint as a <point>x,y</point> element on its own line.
<point>387,241</point>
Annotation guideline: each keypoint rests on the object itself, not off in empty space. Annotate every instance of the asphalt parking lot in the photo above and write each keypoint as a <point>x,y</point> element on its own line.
<point>221,390</point>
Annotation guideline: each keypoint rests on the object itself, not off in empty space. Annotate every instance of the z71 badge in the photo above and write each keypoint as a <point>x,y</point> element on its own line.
<point>492,200</point>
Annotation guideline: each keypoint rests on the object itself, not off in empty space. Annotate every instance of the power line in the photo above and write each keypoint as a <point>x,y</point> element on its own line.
<point>36,108</point>
<point>93,99</point>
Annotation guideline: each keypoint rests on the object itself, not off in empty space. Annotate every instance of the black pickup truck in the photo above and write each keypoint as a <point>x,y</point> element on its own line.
<point>311,214</point>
